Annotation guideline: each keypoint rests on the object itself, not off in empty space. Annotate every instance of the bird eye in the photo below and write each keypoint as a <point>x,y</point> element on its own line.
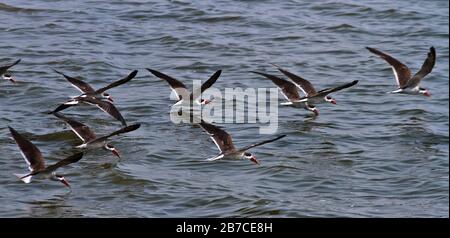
<point>247,154</point>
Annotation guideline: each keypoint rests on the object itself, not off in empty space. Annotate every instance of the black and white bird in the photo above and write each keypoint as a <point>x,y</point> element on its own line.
<point>406,82</point>
<point>7,75</point>
<point>290,92</point>
<point>90,139</point>
<point>181,90</point>
<point>226,147</point>
<point>105,106</point>
<point>36,164</point>
<point>88,91</point>
<point>312,97</point>
<point>95,97</point>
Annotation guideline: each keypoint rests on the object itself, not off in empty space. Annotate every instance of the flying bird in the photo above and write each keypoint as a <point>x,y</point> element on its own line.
<point>312,97</point>
<point>88,91</point>
<point>406,82</point>
<point>90,139</point>
<point>181,90</point>
<point>105,106</point>
<point>36,164</point>
<point>226,147</point>
<point>184,97</point>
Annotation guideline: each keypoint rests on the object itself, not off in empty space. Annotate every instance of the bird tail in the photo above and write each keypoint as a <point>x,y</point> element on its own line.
<point>26,178</point>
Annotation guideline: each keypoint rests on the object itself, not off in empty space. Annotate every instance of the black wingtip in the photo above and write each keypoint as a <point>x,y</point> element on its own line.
<point>217,73</point>
<point>133,74</point>
<point>13,131</point>
<point>79,155</point>
<point>156,73</point>
<point>17,61</point>
<point>259,73</point>
<point>275,65</point>
<point>152,71</point>
<point>58,72</point>
<point>432,50</point>
<point>373,50</point>
<point>135,126</point>
<point>131,127</point>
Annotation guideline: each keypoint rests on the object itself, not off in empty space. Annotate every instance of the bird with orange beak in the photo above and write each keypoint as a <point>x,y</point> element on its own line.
<point>90,139</point>
<point>408,83</point>
<point>226,147</point>
<point>36,164</point>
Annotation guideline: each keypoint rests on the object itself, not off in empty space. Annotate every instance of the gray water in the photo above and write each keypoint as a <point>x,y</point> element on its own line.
<point>371,155</point>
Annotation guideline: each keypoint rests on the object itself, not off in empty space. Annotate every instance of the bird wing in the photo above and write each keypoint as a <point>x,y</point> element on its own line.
<point>261,143</point>
<point>106,107</point>
<point>206,85</point>
<point>81,130</point>
<point>121,131</point>
<point>63,106</point>
<point>426,68</point>
<point>178,87</point>
<point>220,137</point>
<point>288,89</point>
<point>117,83</point>
<point>83,87</point>
<point>31,154</point>
<point>69,160</point>
<point>302,83</point>
<point>324,92</point>
<point>402,72</point>
<point>3,69</point>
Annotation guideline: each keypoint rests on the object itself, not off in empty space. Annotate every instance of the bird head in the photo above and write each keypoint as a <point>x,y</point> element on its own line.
<point>251,157</point>
<point>112,149</point>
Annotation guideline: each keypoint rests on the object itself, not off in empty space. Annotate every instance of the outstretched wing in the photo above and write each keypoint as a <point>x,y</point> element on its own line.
<point>424,70</point>
<point>261,143</point>
<point>324,92</point>
<point>119,82</point>
<point>121,131</point>
<point>401,71</point>
<point>206,85</point>
<point>81,130</point>
<point>302,83</point>
<point>69,160</point>
<point>220,137</point>
<point>288,89</point>
<point>106,107</point>
<point>178,87</point>
<point>31,154</point>
<point>83,87</point>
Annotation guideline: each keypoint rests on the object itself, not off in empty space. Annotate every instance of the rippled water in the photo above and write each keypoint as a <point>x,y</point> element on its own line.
<point>372,155</point>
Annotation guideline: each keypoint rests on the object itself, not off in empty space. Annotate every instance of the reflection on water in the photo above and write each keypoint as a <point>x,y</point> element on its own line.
<point>53,207</point>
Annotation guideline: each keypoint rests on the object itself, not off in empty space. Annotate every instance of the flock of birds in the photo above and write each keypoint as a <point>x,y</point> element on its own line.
<point>407,84</point>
